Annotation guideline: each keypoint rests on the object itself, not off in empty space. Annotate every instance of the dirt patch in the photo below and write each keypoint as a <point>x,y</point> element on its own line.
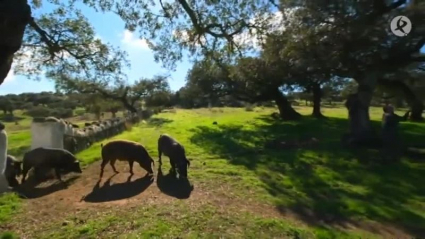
<point>84,196</point>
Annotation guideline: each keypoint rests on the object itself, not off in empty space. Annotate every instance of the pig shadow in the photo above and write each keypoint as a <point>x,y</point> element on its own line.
<point>118,191</point>
<point>168,184</point>
<point>30,190</point>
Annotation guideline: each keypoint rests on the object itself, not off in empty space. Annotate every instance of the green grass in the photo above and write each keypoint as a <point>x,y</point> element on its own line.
<point>324,186</point>
<point>8,235</point>
<point>177,219</point>
<point>10,204</point>
<point>204,221</point>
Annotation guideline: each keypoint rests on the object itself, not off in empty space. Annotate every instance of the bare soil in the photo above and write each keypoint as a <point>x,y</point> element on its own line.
<point>54,201</point>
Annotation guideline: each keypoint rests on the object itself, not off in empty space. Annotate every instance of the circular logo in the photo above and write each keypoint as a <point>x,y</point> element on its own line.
<point>401,26</point>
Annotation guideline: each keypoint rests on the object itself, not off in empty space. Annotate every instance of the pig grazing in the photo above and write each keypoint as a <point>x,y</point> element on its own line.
<point>13,170</point>
<point>175,151</point>
<point>124,150</point>
<point>43,157</point>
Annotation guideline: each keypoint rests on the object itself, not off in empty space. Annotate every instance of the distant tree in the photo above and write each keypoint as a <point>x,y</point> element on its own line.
<point>113,107</point>
<point>208,78</point>
<point>408,86</point>
<point>38,111</point>
<point>6,105</point>
<point>94,104</point>
<point>120,91</point>
<point>255,80</point>
<point>159,99</point>
<point>332,90</point>
<point>190,96</point>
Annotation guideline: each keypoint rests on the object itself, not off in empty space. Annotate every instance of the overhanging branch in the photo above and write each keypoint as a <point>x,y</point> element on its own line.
<point>46,38</point>
<point>201,30</point>
<point>418,59</point>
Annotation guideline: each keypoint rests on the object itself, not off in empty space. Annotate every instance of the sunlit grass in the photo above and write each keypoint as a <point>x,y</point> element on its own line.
<point>325,183</point>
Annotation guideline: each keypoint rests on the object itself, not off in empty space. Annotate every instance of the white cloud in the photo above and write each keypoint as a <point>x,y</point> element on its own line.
<point>183,35</point>
<point>274,22</point>
<point>129,39</point>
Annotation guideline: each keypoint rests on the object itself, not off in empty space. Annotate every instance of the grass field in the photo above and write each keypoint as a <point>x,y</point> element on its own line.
<point>240,189</point>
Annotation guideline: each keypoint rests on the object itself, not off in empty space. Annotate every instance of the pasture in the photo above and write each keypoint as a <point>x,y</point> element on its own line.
<point>236,187</point>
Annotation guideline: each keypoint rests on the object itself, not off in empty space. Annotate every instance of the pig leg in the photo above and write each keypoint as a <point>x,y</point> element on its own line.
<point>112,163</point>
<point>58,175</point>
<point>130,163</point>
<point>12,181</point>
<point>25,170</point>
<point>159,154</point>
<point>102,167</point>
<point>173,167</point>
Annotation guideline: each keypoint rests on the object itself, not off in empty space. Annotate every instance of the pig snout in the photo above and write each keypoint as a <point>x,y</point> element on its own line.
<point>76,167</point>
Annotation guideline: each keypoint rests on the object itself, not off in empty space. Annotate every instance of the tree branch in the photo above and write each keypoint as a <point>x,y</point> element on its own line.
<point>400,86</point>
<point>418,59</point>
<point>201,30</point>
<point>46,38</point>
<point>167,15</point>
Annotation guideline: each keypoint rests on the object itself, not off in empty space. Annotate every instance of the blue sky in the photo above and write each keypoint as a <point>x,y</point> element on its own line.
<point>110,28</point>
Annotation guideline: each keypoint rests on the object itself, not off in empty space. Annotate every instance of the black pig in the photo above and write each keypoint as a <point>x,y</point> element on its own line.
<point>175,151</point>
<point>124,150</point>
<point>57,159</point>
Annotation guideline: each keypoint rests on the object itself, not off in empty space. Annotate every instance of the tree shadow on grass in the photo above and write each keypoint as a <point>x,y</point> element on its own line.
<point>329,185</point>
<point>118,191</point>
<point>158,122</point>
<point>10,118</point>
<point>168,184</point>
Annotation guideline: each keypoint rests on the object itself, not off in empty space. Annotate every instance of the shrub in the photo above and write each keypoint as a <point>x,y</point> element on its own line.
<point>79,111</point>
<point>8,235</point>
<point>128,126</point>
<point>62,113</point>
<point>38,111</point>
<point>146,114</point>
<point>41,111</point>
<point>249,107</point>
<point>269,104</point>
<point>295,103</point>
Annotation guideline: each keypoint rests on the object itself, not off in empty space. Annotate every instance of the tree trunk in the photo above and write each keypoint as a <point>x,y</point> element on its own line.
<point>416,105</point>
<point>399,102</point>
<point>360,131</point>
<point>97,113</point>
<point>317,98</point>
<point>417,108</point>
<point>128,106</point>
<point>14,17</point>
<point>114,113</point>
<point>286,111</point>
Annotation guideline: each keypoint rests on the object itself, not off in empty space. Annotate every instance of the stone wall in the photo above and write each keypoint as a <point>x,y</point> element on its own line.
<point>77,139</point>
